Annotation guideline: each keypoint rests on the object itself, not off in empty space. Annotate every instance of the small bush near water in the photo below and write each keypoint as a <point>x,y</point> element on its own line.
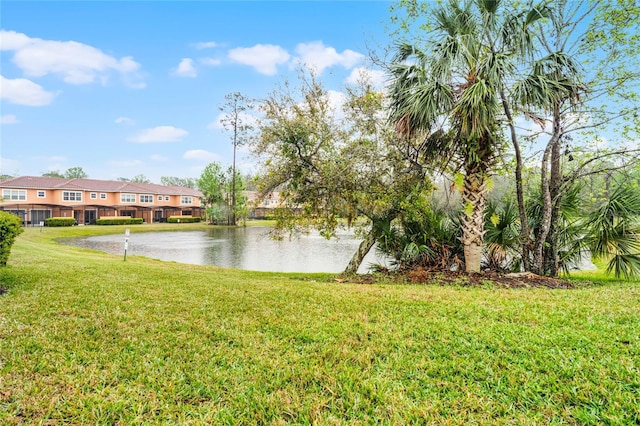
<point>59,221</point>
<point>10,228</point>
<point>119,221</point>
<point>183,219</point>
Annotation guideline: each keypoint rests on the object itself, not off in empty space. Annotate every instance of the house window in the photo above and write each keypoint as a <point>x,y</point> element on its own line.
<point>127,198</point>
<point>93,196</point>
<point>148,199</point>
<point>103,196</point>
<point>185,200</point>
<point>14,194</point>
<point>159,197</point>
<point>71,196</point>
<point>41,194</point>
<point>166,198</point>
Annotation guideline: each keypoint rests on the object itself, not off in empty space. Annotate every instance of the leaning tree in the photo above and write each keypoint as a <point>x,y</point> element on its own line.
<point>334,160</point>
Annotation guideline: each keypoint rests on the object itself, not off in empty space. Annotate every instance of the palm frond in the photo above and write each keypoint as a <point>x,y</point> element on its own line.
<point>614,232</point>
<point>476,109</point>
<point>625,266</point>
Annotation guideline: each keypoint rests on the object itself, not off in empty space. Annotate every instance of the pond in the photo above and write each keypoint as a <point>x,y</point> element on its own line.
<point>249,248</point>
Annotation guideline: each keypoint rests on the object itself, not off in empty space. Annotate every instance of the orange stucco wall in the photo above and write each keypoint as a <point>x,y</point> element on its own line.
<point>55,196</point>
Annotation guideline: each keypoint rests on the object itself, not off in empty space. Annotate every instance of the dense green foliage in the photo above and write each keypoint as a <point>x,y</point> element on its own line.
<point>60,221</point>
<point>218,187</point>
<point>10,228</point>
<point>136,179</point>
<point>464,68</point>
<point>446,95</point>
<point>70,173</point>
<point>334,162</point>
<point>612,232</point>
<point>119,221</point>
<point>423,236</point>
<point>183,219</point>
<point>178,181</point>
<point>89,339</point>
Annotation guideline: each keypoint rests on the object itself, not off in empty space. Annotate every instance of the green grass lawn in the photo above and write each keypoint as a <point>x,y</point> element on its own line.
<point>86,338</point>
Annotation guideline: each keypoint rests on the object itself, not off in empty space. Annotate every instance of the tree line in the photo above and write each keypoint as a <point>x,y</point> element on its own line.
<point>462,79</point>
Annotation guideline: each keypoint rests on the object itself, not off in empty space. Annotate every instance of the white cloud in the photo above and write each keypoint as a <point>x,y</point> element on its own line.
<point>8,119</point>
<point>212,62</point>
<point>24,92</point>
<point>125,120</point>
<point>319,57</point>
<point>159,134</point>
<point>359,74</point>
<point>600,142</point>
<point>74,62</point>
<point>12,40</point>
<point>263,57</point>
<point>201,155</point>
<point>336,101</point>
<point>206,45</point>
<point>186,68</point>
<point>217,123</point>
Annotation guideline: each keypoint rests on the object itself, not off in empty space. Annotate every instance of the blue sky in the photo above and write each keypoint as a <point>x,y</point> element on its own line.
<point>125,88</point>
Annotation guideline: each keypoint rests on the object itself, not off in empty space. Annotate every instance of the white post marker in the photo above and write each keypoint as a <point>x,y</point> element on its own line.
<point>126,243</point>
<point>41,225</point>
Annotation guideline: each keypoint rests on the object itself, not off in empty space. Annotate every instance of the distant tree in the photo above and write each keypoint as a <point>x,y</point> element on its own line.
<point>177,181</point>
<point>241,208</point>
<point>212,183</point>
<point>53,173</point>
<point>136,179</point>
<point>75,173</point>
<point>235,120</point>
<point>5,177</point>
<point>251,181</point>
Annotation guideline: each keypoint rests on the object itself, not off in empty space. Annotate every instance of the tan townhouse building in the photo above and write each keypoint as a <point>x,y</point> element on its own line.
<point>35,198</point>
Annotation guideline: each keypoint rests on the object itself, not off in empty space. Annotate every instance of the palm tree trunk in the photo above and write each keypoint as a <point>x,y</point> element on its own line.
<point>474,197</point>
<point>551,260</point>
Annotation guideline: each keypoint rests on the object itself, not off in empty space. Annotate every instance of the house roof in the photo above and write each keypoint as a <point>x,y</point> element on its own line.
<point>41,182</point>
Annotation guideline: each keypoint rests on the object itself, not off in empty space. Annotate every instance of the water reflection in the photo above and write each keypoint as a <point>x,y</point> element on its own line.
<point>248,248</point>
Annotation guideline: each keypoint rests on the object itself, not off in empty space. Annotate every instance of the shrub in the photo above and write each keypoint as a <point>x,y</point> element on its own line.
<point>183,219</point>
<point>59,221</point>
<point>119,220</point>
<point>10,228</point>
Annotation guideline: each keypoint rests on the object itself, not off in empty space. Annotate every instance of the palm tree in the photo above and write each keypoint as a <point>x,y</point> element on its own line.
<point>449,98</point>
<point>502,236</point>
<point>612,232</point>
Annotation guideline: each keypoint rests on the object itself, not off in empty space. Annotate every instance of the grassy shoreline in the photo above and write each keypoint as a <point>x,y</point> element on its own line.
<point>86,338</point>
